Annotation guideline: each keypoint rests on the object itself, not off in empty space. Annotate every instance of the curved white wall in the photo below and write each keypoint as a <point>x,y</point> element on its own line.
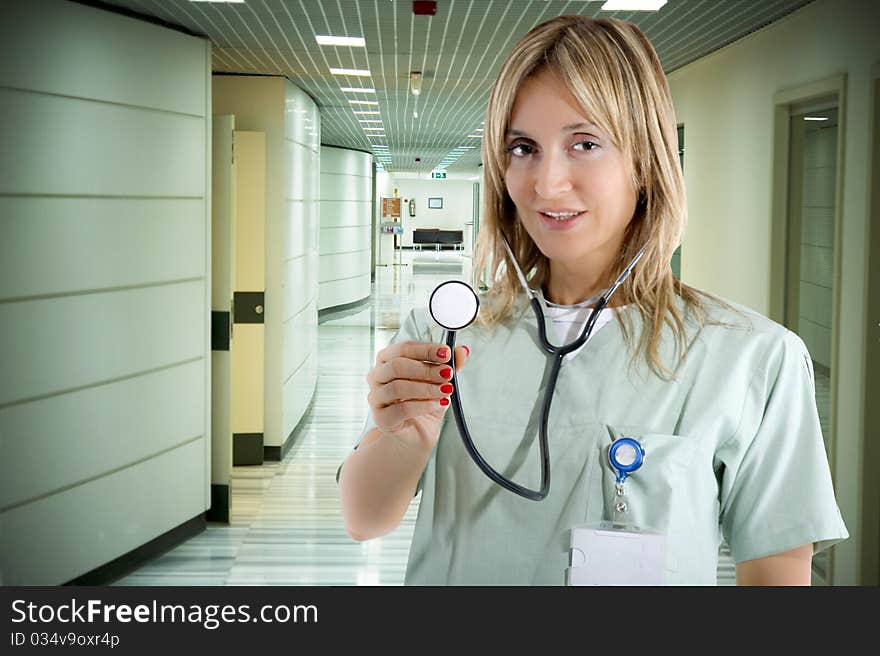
<point>345,219</point>
<point>105,287</point>
<point>299,323</point>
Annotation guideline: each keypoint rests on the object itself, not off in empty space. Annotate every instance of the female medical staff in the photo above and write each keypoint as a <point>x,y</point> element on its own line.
<point>580,158</point>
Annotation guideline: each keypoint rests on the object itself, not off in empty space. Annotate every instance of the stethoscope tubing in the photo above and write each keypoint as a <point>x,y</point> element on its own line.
<point>559,353</point>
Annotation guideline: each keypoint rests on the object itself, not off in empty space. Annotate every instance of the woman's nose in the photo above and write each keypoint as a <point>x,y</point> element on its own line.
<point>553,176</point>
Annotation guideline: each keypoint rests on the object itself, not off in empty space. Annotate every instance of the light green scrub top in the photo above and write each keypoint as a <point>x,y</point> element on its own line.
<point>733,448</point>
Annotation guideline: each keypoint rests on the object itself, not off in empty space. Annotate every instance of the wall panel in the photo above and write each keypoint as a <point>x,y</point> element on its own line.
<point>93,523</point>
<point>63,440</point>
<point>82,147</point>
<point>63,245</point>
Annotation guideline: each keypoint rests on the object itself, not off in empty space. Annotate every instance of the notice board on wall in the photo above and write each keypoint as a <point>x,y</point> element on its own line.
<point>391,208</point>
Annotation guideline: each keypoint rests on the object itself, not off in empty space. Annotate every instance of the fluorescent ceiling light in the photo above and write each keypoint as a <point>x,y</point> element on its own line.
<point>340,40</point>
<point>364,112</point>
<point>815,118</point>
<point>364,102</point>
<point>633,5</point>
<point>237,1</point>
<point>415,83</point>
<point>369,120</point>
<point>358,89</point>
<point>475,136</point>
<point>374,127</point>
<point>350,71</point>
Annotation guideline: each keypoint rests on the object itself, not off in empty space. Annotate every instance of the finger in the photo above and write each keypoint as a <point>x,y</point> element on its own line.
<point>409,370</point>
<point>393,416</point>
<point>461,355</point>
<point>399,390</point>
<point>414,351</point>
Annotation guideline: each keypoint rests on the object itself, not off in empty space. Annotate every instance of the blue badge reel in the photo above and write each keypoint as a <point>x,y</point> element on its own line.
<point>626,455</point>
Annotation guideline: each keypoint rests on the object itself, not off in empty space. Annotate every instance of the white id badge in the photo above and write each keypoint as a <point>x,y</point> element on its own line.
<point>616,554</point>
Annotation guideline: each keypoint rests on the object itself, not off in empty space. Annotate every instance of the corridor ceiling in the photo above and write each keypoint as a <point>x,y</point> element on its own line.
<point>458,52</point>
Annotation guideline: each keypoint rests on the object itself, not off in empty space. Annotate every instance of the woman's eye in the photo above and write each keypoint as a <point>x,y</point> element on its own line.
<point>520,149</point>
<point>587,145</point>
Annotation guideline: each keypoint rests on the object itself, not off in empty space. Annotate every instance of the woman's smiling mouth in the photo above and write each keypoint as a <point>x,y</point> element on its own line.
<point>560,219</point>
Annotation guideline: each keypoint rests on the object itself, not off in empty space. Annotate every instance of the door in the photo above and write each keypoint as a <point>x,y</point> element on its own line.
<point>222,276</point>
<point>249,298</point>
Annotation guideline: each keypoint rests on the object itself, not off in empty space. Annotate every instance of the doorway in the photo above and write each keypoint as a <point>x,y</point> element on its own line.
<point>676,256</point>
<point>805,284</point>
<point>810,245</point>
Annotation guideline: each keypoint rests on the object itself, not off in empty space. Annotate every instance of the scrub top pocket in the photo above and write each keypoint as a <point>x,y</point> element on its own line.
<point>658,494</point>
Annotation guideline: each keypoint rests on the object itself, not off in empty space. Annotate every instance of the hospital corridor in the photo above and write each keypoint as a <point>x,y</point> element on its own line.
<point>214,214</point>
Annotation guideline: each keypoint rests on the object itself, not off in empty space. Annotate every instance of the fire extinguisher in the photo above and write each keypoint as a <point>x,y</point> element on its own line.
<point>412,206</point>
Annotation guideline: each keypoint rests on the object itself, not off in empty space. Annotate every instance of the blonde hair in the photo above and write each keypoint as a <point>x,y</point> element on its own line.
<point>613,71</point>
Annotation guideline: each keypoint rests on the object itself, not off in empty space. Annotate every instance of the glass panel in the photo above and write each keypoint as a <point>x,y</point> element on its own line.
<point>810,273</point>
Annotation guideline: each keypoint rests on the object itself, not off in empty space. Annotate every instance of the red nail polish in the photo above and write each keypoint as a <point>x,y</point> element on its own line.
<point>466,349</point>
<point>444,402</point>
<point>442,353</point>
<point>446,373</point>
<point>446,388</point>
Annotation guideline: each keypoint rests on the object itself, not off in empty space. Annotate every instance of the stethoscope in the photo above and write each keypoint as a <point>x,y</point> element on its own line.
<point>454,306</point>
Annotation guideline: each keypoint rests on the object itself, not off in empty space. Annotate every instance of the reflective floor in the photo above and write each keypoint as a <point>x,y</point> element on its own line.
<point>286,527</point>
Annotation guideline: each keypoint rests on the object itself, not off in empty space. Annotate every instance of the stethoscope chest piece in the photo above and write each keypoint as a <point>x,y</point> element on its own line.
<point>626,455</point>
<point>454,305</point>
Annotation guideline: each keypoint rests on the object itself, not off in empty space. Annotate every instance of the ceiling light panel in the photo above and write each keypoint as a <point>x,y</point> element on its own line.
<point>357,72</point>
<point>633,5</point>
<point>350,41</point>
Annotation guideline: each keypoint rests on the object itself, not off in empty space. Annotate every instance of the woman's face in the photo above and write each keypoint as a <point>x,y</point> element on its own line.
<point>571,186</point>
